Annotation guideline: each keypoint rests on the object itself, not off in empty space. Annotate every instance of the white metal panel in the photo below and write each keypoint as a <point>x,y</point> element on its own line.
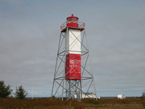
<point>73,41</point>
<point>85,95</point>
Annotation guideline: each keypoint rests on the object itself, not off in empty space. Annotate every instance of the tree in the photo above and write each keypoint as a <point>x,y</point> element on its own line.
<point>5,91</point>
<point>20,93</point>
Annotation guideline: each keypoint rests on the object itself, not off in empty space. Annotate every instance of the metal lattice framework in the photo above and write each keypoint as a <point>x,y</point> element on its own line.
<point>63,88</point>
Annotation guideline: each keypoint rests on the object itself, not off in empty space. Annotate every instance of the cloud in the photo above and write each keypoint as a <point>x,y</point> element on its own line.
<point>29,34</point>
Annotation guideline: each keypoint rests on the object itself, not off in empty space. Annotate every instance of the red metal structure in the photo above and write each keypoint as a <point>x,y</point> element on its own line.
<point>73,67</point>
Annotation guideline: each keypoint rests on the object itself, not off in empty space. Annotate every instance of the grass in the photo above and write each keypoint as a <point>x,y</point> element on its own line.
<point>47,103</point>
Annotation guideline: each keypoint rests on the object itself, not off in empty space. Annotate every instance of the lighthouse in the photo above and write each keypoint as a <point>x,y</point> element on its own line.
<point>73,48</point>
<point>71,77</point>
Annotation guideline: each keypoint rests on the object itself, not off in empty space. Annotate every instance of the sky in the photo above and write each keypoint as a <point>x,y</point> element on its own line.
<point>115,29</point>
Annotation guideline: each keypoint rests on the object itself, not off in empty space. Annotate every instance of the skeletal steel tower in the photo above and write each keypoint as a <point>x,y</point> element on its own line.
<point>73,77</point>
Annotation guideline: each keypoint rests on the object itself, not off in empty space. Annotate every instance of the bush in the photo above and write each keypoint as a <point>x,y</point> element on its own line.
<point>5,91</point>
<point>20,93</point>
<point>93,101</point>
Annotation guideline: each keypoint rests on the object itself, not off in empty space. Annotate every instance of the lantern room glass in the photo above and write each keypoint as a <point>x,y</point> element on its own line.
<point>72,20</point>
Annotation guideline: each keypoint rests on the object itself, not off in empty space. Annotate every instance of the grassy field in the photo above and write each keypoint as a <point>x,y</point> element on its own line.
<point>47,103</point>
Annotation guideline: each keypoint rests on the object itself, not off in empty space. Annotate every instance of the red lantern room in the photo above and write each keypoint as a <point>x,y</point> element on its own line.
<point>72,22</point>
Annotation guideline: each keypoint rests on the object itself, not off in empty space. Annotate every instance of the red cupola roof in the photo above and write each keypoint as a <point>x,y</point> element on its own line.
<point>71,17</point>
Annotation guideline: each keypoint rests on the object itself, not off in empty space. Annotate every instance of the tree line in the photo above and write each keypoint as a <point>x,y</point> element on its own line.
<point>5,91</point>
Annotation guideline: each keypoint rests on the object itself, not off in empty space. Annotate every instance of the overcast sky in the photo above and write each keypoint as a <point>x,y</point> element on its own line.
<point>115,29</point>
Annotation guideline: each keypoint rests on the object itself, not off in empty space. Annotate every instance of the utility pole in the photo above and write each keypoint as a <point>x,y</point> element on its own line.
<point>32,91</point>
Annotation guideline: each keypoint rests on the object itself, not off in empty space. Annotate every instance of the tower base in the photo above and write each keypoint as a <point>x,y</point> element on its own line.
<point>73,89</point>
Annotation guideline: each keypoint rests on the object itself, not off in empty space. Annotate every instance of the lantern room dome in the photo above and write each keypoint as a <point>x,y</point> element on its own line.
<point>72,17</point>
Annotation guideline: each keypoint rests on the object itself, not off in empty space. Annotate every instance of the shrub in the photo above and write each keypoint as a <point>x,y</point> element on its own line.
<point>93,101</point>
<point>5,91</point>
<point>20,93</point>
